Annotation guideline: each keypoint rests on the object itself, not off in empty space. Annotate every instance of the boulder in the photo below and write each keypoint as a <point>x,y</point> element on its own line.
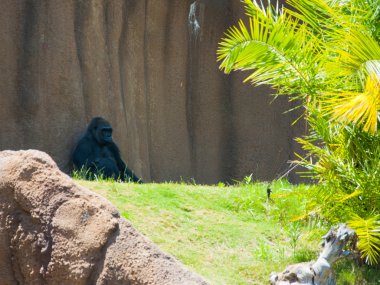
<point>53,231</point>
<point>320,272</point>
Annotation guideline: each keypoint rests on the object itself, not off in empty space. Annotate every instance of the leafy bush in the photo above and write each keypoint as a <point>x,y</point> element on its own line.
<point>326,54</point>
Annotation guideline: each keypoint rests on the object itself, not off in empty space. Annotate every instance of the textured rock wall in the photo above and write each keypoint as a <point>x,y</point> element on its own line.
<point>149,67</point>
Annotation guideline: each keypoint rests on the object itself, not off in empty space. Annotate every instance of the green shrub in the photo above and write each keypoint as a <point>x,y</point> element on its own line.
<point>326,54</point>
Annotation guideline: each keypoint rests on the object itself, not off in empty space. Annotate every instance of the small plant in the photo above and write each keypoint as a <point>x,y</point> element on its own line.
<point>248,179</point>
<point>80,174</point>
<point>294,233</point>
<point>263,251</point>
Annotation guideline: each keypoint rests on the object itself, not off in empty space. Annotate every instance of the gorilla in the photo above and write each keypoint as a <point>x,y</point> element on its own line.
<point>96,153</point>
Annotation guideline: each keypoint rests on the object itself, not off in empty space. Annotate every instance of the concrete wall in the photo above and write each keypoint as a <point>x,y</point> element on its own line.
<point>149,67</point>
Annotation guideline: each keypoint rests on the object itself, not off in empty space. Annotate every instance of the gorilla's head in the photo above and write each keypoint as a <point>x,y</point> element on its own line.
<point>100,130</point>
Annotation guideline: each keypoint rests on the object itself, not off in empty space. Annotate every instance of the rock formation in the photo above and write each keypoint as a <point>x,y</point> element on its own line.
<point>320,272</point>
<point>149,67</point>
<point>54,232</point>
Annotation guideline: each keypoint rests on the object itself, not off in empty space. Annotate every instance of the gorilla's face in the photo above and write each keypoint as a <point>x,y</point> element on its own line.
<point>105,134</point>
<point>102,131</point>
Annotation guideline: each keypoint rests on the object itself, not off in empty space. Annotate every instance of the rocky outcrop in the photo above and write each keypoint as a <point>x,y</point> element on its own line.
<point>53,231</point>
<point>149,67</point>
<point>320,272</point>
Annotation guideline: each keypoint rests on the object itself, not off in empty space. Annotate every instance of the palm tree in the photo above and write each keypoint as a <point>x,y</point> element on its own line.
<point>326,54</point>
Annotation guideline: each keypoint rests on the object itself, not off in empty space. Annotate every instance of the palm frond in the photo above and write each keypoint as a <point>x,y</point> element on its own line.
<point>329,15</point>
<point>318,14</point>
<point>368,231</point>
<point>254,8</point>
<point>353,49</point>
<point>359,108</point>
<point>281,52</point>
<point>352,195</point>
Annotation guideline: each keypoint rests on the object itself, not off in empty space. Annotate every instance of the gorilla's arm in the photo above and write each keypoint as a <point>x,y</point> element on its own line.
<point>83,155</point>
<point>129,173</point>
<point>124,170</point>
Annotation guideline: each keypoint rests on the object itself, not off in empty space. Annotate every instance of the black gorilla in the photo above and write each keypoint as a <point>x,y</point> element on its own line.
<point>98,154</point>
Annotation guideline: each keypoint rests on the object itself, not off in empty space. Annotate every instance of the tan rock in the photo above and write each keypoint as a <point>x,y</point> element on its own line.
<point>53,231</point>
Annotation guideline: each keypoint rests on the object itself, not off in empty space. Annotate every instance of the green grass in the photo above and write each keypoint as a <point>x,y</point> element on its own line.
<point>229,235</point>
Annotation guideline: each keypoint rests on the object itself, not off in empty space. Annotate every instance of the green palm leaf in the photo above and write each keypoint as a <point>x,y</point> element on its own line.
<point>368,232</point>
<point>281,52</point>
<point>359,108</point>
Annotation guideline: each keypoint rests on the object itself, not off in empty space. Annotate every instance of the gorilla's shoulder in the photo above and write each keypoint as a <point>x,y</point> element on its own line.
<point>85,143</point>
<point>86,138</point>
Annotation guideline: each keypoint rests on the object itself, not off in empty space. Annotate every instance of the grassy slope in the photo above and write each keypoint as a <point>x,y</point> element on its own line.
<point>229,235</point>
